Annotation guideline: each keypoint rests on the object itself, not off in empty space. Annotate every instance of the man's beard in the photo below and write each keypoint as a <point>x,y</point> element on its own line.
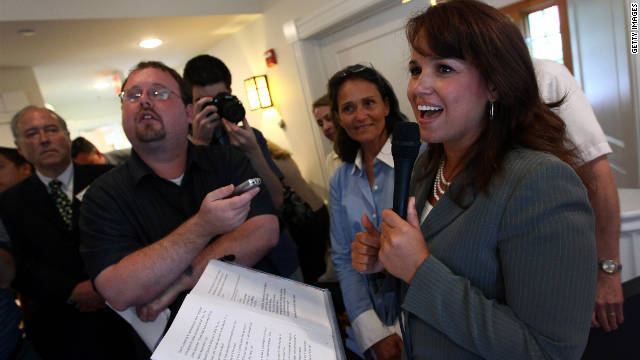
<point>150,133</point>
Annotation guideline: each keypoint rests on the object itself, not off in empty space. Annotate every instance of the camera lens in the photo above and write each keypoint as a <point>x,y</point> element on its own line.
<point>229,107</point>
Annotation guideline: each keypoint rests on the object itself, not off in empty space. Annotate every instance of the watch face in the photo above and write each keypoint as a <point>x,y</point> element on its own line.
<point>610,266</point>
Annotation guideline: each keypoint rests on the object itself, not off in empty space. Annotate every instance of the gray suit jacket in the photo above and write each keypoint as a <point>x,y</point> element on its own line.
<point>512,272</point>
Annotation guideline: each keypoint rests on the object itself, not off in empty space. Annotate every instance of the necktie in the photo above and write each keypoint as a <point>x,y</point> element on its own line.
<point>62,201</point>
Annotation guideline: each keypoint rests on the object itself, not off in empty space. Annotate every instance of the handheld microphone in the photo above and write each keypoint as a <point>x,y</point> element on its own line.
<point>404,148</point>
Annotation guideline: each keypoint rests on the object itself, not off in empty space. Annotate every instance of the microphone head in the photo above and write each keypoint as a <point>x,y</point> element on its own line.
<point>406,140</point>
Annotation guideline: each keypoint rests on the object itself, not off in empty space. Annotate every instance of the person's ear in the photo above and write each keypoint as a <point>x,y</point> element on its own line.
<point>189,110</point>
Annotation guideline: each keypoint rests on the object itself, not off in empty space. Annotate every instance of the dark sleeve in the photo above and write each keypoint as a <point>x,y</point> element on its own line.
<point>267,155</point>
<point>240,169</point>
<point>5,241</point>
<point>107,234</point>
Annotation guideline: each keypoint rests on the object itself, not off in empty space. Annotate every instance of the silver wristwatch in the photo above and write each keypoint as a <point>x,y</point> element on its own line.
<point>609,266</point>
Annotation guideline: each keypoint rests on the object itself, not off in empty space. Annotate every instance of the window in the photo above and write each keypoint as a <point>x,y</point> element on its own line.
<point>545,27</point>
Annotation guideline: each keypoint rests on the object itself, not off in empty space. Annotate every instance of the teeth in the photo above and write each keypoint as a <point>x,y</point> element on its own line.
<point>428,108</point>
<point>147,117</point>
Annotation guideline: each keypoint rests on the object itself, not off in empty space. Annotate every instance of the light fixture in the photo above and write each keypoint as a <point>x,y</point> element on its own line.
<point>258,92</point>
<point>150,43</point>
<point>101,85</point>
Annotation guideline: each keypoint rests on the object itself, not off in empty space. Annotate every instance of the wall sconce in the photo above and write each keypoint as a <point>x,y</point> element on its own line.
<point>258,92</point>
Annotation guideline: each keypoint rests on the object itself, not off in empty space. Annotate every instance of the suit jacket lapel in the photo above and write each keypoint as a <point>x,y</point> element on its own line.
<point>446,210</point>
<point>41,203</point>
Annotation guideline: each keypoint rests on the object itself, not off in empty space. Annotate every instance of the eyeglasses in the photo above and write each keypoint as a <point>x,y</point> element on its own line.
<point>156,93</point>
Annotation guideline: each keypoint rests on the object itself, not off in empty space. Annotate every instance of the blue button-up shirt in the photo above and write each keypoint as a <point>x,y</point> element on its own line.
<point>351,196</point>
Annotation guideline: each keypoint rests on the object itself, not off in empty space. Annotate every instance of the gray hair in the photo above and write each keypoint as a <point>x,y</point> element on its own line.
<point>21,113</point>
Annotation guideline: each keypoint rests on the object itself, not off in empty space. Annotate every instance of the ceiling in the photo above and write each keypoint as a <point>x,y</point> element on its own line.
<point>69,56</point>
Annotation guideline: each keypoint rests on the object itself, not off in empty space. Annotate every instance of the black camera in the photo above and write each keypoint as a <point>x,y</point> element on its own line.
<point>229,107</point>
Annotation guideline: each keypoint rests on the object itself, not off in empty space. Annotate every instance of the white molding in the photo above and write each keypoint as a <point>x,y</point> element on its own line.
<point>306,74</point>
<point>634,68</point>
<point>615,141</point>
<point>330,17</point>
<point>303,34</point>
<point>575,43</point>
<point>337,14</point>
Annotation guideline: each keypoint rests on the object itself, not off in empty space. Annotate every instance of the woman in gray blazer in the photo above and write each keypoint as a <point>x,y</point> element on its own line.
<point>497,256</point>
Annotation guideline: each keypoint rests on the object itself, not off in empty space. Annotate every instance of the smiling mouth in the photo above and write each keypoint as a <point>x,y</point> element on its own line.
<point>361,127</point>
<point>428,110</point>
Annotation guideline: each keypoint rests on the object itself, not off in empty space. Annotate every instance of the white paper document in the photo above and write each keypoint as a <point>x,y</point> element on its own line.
<point>238,313</point>
<point>150,332</point>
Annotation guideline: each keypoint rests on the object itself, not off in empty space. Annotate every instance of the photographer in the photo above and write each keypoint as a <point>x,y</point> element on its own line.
<point>208,77</point>
<point>217,114</point>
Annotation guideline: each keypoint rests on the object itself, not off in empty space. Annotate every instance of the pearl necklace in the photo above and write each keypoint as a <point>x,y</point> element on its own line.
<point>437,189</point>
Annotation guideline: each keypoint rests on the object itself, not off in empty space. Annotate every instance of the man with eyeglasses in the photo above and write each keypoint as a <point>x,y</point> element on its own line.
<point>151,225</point>
<point>67,318</point>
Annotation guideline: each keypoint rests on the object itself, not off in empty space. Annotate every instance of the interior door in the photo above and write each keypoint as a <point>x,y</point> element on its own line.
<point>379,41</point>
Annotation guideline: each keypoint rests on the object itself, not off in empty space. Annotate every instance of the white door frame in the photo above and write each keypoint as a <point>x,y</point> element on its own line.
<point>304,35</point>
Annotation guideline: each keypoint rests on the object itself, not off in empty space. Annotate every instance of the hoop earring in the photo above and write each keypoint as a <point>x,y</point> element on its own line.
<point>491,110</point>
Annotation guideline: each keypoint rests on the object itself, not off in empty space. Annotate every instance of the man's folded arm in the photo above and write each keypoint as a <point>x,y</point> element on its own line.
<point>144,274</point>
<point>248,243</point>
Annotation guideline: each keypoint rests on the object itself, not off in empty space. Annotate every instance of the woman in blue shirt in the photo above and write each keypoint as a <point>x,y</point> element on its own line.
<point>366,109</point>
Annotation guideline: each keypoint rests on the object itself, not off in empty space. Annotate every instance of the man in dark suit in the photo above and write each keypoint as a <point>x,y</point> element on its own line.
<point>67,318</point>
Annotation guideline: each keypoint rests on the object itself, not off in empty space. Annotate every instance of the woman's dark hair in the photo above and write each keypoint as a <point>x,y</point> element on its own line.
<point>344,146</point>
<point>14,156</point>
<point>486,38</point>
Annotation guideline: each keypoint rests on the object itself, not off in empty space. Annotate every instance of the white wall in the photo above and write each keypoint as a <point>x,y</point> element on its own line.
<point>83,9</point>
<point>243,53</point>
<point>18,88</point>
<point>600,39</point>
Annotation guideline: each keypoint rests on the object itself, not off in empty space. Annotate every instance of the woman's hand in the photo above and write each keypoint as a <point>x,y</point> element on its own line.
<point>402,247</point>
<point>389,348</point>
<point>364,249</point>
